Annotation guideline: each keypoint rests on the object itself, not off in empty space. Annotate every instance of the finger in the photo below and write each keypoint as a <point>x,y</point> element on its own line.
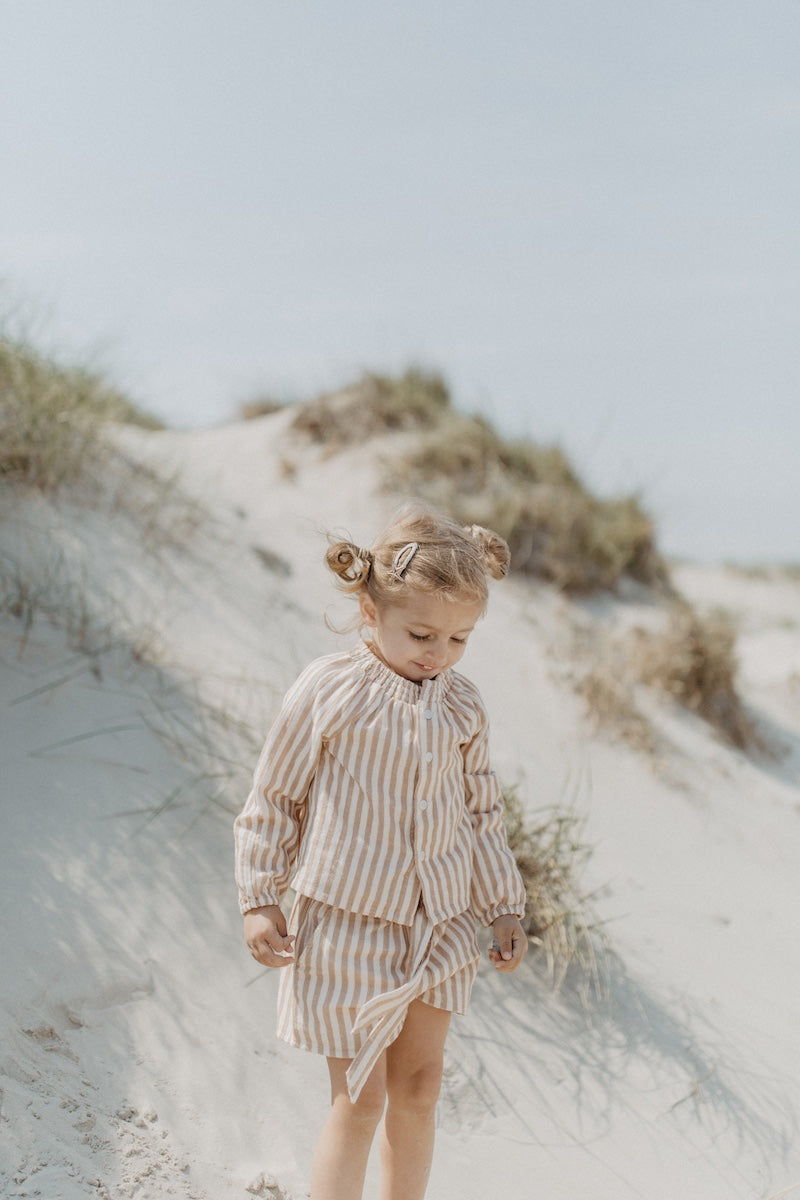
<point>506,949</point>
<point>519,947</point>
<point>272,949</point>
<point>278,940</point>
<point>271,958</point>
<point>280,960</point>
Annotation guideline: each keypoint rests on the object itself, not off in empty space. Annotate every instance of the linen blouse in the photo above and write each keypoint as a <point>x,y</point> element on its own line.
<point>374,793</point>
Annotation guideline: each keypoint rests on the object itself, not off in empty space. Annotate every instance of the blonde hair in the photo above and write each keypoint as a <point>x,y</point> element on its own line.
<point>421,550</point>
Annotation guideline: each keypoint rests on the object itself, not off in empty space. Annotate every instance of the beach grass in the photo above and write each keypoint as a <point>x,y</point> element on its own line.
<point>52,415</point>
<point>693,660</point>
<point>557,529</point>
<point>550,852</point>
<point>375,404</point>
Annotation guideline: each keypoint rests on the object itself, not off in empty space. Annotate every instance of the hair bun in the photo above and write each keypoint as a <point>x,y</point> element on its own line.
<point>494,550</point>
<point>351,563</point>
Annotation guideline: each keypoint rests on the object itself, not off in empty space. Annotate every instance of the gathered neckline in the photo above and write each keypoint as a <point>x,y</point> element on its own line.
<point>397,685</point>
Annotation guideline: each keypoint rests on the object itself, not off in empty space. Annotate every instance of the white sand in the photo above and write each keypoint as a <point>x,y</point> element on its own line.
<point>137,1050</point>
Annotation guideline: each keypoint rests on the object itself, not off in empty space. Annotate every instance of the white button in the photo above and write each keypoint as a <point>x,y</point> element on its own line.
<point>422,856</point>
<point>423,804</point>
<point>428,714</point>
<point>429,756</point>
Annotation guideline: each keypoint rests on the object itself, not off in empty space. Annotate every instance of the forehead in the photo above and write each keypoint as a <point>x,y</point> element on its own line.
<point>439,612</point>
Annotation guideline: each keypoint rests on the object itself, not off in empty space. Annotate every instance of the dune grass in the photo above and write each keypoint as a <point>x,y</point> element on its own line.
<point>558,920</point>
<point>530,494</point>
<point>261,406</point>
<point>694,661</point>
<point>611,704</point>
<point>52,416</point>
<point>54,456</point>
<point>374,405</point>
<point>688,656</point>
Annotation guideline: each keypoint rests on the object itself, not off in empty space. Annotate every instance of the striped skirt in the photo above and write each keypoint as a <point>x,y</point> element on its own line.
<point>354,977</point>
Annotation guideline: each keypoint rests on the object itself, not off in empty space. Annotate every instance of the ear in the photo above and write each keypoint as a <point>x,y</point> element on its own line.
<point>369,613</point>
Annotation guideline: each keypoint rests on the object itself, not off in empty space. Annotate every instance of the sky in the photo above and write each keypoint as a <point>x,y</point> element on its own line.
<point>584,215</point>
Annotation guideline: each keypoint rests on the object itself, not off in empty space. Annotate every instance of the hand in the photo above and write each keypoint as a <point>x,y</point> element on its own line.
<point>510,943</point>
<point>265,934</point>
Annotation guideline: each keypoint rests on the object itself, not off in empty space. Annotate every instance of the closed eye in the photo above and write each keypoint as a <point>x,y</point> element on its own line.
<point>420,637</point>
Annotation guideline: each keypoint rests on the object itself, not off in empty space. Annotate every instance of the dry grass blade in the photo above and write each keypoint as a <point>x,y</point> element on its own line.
<point>558,920</point>
<point>612,708</point>
<point>52,416</point>
<point>376,404</point>
<point>104,731</point>
<point>694,661</point>
<point>557,530</point>
<point>262,406</point>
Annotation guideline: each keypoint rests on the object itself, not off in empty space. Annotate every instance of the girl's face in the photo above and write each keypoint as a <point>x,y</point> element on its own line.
<point>421,636</point>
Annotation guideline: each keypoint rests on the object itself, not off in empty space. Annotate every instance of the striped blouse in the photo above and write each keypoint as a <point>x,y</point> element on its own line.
<point>373,793</point>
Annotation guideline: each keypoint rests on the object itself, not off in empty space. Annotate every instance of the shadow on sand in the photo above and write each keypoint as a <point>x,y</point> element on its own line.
<point>630,1059</point>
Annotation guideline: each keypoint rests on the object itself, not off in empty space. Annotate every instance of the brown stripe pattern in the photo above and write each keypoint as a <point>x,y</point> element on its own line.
<point>354,977</point>
<point>373,794</point>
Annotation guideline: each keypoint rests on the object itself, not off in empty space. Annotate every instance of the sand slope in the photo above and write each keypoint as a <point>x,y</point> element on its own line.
<point>137,1052</point>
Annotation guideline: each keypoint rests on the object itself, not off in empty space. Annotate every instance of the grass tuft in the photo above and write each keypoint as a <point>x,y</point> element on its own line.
<point>694,661</point>
<point>529,493</point>
<point>610,703</point>
<point>558,922</point>
<point>376,404</point>
<point>557,530</point>
<point>262,406</point>
<point>687,656</point>
<point>52,416</point>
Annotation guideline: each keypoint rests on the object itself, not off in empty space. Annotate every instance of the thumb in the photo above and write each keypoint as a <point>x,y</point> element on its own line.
<point>506,945</point>
<point>505,930</point>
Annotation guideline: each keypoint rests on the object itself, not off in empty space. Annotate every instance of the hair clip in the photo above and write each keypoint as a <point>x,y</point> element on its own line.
<point>402,560</point>
<point>366,556</point>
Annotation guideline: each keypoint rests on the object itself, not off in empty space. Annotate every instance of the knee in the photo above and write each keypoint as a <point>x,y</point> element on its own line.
<point>418,1091</point>
<point>367,1110</point>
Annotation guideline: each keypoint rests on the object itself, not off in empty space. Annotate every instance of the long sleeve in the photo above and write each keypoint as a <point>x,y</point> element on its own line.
<point>497,886</point>
<point>372,790</point>
<point>267,831</point>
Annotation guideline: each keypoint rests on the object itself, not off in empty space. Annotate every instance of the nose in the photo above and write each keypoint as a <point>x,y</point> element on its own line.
<point>434,656</point>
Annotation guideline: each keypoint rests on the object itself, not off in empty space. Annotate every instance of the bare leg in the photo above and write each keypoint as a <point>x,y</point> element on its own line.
<point>340,1157</point>
<point>413,1081</point>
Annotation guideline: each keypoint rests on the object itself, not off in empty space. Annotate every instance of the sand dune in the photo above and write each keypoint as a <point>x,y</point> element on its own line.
<point>138,1057</point>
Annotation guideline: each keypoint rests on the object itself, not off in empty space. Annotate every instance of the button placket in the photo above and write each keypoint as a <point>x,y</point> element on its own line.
<point>425,771</point>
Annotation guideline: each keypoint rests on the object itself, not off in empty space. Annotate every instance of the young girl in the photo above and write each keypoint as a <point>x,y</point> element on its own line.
<point>373,795</point>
